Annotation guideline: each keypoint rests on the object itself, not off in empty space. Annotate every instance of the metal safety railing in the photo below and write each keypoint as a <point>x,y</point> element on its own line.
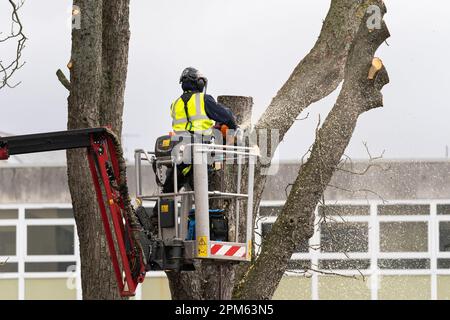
<point>202,156</point>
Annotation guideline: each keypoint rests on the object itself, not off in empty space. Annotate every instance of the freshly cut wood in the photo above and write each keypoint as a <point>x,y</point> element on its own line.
<point>377,65</point>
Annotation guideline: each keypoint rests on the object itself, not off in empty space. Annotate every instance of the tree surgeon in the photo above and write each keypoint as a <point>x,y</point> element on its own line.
<point>195,113</point>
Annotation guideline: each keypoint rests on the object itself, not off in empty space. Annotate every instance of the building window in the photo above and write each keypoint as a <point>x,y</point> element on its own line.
<point>403,209</point>
<point>444,236</point>
<point>47,238</point>
<point>342,210</point>
<point>49,266</point>
<point>443,209</point>
<point>348,264</point>
<point>299,265</point>
<point>53,213</point>
<point>270,211</point>
<point>344,237</point>
<point>50,240</point>
<point>403,236</point>
<point>443,263</point>
<point>9,267</point>
<point>8,214</point>
<point>7,240</point>
<point>403,243</point>
<point>404,264</point>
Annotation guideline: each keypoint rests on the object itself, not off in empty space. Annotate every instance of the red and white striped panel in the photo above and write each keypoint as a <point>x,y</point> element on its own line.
<point>228,250</point>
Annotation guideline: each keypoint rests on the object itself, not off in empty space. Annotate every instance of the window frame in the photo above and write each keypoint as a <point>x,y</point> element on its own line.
<point>374,273</point>
<point>22,257</point>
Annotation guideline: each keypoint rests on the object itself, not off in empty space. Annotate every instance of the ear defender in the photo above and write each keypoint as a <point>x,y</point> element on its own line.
<point>201,83</point>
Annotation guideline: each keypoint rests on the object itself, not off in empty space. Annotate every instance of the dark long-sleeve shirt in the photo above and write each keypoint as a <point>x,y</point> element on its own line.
<point>219,113</point>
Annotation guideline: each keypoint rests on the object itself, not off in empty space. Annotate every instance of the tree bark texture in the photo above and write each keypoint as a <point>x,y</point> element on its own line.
<point>295,223</point>
<point>214,280</point>
<point>314,78</point>
<point>242,108</point>
<point>97,83</point>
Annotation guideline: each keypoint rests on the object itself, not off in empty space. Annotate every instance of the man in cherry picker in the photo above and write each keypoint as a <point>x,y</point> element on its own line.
<point>195,113</point>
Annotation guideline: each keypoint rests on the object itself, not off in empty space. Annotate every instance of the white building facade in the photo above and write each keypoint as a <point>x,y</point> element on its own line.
<point>381,235</point>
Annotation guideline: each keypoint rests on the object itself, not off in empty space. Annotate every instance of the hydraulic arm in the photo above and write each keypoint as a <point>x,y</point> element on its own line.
<point>107,167</point>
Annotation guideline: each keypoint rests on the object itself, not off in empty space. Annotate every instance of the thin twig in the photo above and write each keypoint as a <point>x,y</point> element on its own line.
<point>307,273</point>
<point>372,162</point>
<point>2,263</point>
<point>322,221</point>
<point>9,69</point>
<point>62,78</point>
<point>366,191</point>
<point>304,118</point>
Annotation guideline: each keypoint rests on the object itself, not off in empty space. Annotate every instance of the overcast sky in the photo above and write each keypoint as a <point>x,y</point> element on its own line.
<point>245,47</point>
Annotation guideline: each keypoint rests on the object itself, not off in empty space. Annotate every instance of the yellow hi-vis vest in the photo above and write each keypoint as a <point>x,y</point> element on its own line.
<point>195,120</point>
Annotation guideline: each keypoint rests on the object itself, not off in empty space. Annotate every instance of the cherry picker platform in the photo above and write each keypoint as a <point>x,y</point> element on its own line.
<point>186,227</point>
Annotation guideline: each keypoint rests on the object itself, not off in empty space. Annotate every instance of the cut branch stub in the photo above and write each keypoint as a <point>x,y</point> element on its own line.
<point>62,78</point>
<point>363,69</point>
<point>377,64</point>
<point>8,69</point>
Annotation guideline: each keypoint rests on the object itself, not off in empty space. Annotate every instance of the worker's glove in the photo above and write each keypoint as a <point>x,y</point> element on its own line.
<point>224,130</point>
<point>231,137</point>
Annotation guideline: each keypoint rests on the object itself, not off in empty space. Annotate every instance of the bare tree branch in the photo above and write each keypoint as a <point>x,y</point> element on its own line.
<point>372,162</point>
<point>315,77</point>
<point>62,78</point>
<point>8,69</point>
<point>2,263</point>
<point>359,94</point>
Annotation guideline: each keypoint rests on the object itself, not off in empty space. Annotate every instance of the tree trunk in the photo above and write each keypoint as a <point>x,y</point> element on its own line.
<point>242,109</point>
<point>295,223</point>
<point>214,280</point>
<point>98,75</point>
<point>315,77</point>
<point>99,56</point>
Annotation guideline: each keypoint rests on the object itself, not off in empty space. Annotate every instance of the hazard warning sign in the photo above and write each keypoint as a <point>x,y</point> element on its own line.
<point>202,246</point>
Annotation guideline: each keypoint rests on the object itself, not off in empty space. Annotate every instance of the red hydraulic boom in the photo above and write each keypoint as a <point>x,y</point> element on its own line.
<point>109,179</point>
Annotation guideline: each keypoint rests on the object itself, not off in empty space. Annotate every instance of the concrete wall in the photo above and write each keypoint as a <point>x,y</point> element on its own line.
<point>392,180</point>
<point>401,180</point>
<point>49,184</point>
